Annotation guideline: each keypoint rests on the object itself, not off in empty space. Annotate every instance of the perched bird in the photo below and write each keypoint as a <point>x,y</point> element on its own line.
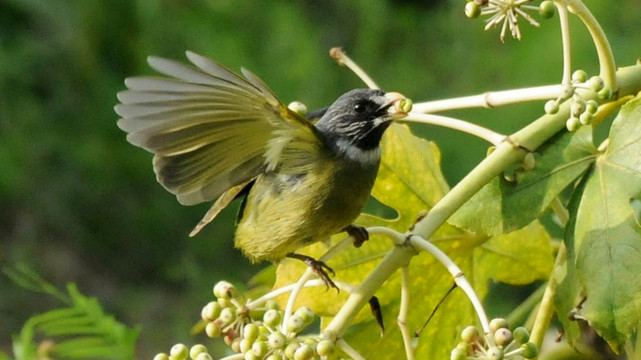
<point>217,135</point>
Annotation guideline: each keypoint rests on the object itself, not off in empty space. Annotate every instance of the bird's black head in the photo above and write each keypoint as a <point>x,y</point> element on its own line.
<point>359,118</point>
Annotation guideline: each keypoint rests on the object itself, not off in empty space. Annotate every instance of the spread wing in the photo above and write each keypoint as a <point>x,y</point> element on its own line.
<point>211,129</point>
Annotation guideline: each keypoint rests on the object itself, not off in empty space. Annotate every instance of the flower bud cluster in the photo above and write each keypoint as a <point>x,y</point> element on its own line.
<point>258,334</point>
<point>499,344</point>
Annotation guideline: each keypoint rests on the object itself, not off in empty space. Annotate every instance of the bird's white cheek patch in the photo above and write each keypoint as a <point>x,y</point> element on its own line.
<point>359,155</point>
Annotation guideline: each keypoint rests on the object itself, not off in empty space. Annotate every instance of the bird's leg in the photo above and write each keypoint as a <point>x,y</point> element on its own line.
<point>359,234</point>
<point>319,267</point>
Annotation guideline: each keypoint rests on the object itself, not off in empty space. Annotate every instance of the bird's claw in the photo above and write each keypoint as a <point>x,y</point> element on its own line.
<point>319,267</point>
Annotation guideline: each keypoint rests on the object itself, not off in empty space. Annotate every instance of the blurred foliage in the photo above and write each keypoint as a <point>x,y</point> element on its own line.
<point>78,203</point>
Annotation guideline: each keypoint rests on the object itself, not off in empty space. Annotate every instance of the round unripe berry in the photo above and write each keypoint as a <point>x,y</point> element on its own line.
<point>579,76</point>
<point>578,107</point>
<point>203,356</point>
<point>274,357</point>
<point>472,10</point>
<point>605,93</point>
<point>277,340</point>
<point>596,83</point>
<point>225,290</point>
<point>272,317</point>
<point>502,336</point>
<point>245,345</point>
<point>224,303</point>
<point>572,124</point>
<point>591,106</point>
<point>249,355</point>
<point>214,329</point>
<point>586,118</point>
<point>306,314</point>
<point>497,323</point>
<point>211,311</point>
<point>529,162</point>
<point>521,335</point>
<point>298,107</point>
<point>179,352</point>
<point>260,348</point>
<point>458,354</point>
<point>470,334</point>
<point>291,349</point>
<point>295,324</point>
<point>551,107</point>
<point>529,350</point>
<point>325,348</point>
<point>546,9</point>
<point>494,353</point>
<point>251,332</point>
<point>227,316</point>
<point>304,352</point>
<point>235,344</point>
<point>161,356</point>
<point>566,92</point>
<point>197,350</point>
<point>271,304</point>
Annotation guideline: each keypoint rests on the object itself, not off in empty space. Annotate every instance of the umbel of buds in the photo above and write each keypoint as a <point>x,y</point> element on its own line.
<point>500,344</point>
<point>257,333</point>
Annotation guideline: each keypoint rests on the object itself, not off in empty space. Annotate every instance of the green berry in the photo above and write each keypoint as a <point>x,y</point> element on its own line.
<point>502,336</point>
<point>591,106</point>
<point>546,9</point>
<point>271,304</point>
<point>249,355</point>
<point>521,335</point>
<point>497,323</point>
<point>470,334</point>
<point>529,162</point>
<point>245,345</point>
<point>494,353</point>
<point>291,349</point>
<point>304,352</point>
<point>551,107</point>
<point>235,344</point>
<point>251,332</point>
<point>225,290</point>
<point>596,83</point>
<point>298,107</point>
<point>260,348</point>
<point>572,124</point>
<point>605,93</point>
<point>566,92</point>
<point>306,314</point>
<point>274,356</point>
<point>578,107</point>
<point>272,317</point>
<point>277,340</point>
<point>579,76</point>
<point>325,348</point>
<point>197,350</point>
<point>211,311</point>
<point>179,352</point>
<point>214,329</point>
<point>586,118</point>
<point>203,356</point>
<point>225,303</point>
<point>295,323</point>
<point>227,316</point>
<point>458,354</point>
<point>161,356</point>
<point>529,350</point>
<point>472,10</point>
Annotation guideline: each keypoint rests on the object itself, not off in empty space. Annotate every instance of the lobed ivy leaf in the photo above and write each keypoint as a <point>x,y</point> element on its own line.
<point>503,206</point>
<point>606,243</point>
<point>410,181</point>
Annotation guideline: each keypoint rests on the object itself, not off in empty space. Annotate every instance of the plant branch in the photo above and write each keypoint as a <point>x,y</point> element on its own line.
<point>490,99</point>
<point>350,351</point>
<point>341,58</point>
<point>456,124</point>
<point>404,311</point>
<point>567,45</point>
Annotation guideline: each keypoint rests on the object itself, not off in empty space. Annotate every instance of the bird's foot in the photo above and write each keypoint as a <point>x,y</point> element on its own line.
<point>319,268</point>
<point>359,234</point>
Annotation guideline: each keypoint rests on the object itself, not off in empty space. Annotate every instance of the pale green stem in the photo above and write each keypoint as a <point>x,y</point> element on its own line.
<point>546,309</point>
<point>459,278</point>
<point>396,258</point>
<point>285,289</point>
<point>560,211</point>
<point>608,70</point>
<point>350,351</point>
<point>403,313</point>
<point>456,124</point>
<point>567,45</point>
<point>490,99</point>
<point>339,55</point>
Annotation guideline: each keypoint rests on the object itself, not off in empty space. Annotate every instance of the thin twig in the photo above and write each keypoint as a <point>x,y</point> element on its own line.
<point>404,311</point>
<point>341,58</point>
<point>488,135</point>
<point>350,351</point>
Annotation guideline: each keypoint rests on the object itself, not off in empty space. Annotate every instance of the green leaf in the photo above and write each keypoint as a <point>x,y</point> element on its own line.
<point>410,182</point>
<point>503,206</point>
<point>607,238</point>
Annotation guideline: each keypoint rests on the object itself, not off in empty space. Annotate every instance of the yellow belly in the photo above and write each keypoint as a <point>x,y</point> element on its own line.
<point>284,213</point>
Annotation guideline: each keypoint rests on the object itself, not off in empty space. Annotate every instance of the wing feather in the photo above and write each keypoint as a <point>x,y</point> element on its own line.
<point>210,129</point>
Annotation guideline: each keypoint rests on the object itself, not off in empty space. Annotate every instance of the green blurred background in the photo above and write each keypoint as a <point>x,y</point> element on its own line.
<point>79,204</point>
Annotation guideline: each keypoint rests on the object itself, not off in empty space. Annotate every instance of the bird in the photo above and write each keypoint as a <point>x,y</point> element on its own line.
<point>218,136</point>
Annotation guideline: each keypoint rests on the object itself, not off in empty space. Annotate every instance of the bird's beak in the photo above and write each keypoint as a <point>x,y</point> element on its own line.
<point>397,105</point>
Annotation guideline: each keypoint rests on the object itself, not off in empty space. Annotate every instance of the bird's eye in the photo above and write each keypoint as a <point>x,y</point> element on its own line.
<point>359,108</point>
